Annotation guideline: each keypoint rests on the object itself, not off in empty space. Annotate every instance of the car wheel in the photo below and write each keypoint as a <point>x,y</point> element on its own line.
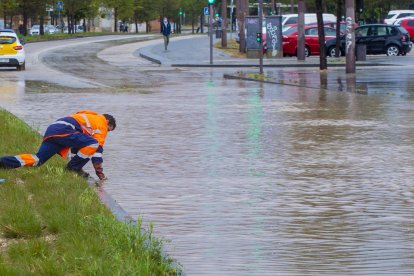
<point>332,51</point>
<point>307,51</point>
<point>393,50</point>
<point>21,67</point>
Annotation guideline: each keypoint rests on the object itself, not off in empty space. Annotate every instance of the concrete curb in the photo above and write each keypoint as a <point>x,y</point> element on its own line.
<point>244,65</point>
<point>150,58</point>
<point>309,65</point>
<point>122,215</point>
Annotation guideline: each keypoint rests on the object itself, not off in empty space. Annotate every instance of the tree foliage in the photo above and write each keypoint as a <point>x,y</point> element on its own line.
<point>147,10</point>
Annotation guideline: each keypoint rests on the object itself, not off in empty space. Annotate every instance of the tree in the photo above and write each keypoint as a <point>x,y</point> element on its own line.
<point>323,63</point>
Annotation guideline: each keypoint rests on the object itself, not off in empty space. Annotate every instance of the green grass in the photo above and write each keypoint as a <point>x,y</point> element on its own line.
<point>59,36</point>
<point>53,223</point>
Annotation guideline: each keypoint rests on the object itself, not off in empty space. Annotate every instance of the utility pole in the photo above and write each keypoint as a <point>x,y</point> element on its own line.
<point>350,36</point>
<point>231,22</point>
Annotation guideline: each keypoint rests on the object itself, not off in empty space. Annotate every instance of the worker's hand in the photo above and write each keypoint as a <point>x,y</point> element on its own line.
<point>100,182</point>
<point>99,171</point>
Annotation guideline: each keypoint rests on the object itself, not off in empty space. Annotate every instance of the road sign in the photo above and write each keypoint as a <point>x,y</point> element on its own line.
<point>59,5</point>
<point>206,11</point>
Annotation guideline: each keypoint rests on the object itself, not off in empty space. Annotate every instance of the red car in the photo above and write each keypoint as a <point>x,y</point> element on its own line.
<point>408,24</point>
<point>290,40</point>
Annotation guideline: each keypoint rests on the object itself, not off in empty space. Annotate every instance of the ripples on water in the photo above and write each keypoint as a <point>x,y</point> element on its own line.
<point>259,180</point>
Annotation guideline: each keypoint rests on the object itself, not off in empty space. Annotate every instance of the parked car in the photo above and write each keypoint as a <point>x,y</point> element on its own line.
<point>379,39</point>
<point>331,24</point>
<point>310,18</point>
<point>77,29</point>
<point>408,25</point>
<point>290,40</point>
<point>12,51</point>
<point>7,31</point>
<point>394,15</point>
<point>398,21</point>
<point>48,29</point>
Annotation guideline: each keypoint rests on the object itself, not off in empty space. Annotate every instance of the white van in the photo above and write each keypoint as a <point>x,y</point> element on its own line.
<point>397,14</point>
<point>309,18</point>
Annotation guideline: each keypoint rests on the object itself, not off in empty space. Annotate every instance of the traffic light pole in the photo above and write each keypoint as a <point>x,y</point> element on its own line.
<point>210,30</point>
<point>261,36</point>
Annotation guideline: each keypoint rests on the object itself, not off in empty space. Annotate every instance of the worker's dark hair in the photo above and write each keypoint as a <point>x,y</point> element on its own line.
<point>111,120</point>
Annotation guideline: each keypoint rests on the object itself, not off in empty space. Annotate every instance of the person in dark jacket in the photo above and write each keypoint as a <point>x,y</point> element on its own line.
<point>166,31</point>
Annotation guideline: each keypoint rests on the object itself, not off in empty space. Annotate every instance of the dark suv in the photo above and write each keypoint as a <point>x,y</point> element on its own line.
<point>379,38</point>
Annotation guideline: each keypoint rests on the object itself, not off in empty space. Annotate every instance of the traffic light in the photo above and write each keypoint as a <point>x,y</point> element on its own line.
<point>217,14</point>
<point>210,2</point>
<point>258,37</point>
<point>180,12</point>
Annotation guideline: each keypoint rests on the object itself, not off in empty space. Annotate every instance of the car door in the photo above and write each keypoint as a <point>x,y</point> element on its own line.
<point>378,39</point>
<point>312,40</point>
<point>361,35</point>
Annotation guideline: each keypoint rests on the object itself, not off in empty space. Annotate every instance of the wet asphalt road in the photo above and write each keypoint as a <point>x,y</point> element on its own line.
<point>243,178</point>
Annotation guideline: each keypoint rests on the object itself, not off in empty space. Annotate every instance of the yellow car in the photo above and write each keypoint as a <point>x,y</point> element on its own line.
<point>11,51</point>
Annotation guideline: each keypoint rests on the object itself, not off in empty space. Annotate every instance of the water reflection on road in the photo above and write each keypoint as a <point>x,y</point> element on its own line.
<point>257,179</point>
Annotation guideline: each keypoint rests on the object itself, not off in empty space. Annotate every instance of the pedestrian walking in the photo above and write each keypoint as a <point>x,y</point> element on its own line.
<point>84,132</point>
<point>166,31</point>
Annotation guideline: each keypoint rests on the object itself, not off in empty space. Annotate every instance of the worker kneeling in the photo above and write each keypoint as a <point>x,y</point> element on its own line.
<point>84,132</point>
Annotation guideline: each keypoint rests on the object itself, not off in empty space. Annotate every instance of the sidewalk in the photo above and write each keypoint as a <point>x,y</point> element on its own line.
<point>194,51</point>
<point>379,74</point>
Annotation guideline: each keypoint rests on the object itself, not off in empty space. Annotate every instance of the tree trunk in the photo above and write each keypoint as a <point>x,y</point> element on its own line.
<point>338,27</point>
<point>42,29</point>
<point>240,19</point>
<point>301,33</point>
<point>350,36</point>
<point>115,20</point>
<point>192,25</point>
<point>202,23</point>
<point>323,63</point>
<point>25,21</point>
<point>224,24</point>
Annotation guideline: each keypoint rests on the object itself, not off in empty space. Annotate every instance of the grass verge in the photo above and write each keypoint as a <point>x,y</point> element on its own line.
<point>232,48</point>
<point>53,223</point>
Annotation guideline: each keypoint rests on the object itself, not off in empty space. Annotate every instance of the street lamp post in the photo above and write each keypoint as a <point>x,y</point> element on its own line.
<point>210,27</point>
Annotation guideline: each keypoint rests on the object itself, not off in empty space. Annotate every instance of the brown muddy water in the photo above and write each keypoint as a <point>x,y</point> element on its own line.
<point>244,178</point>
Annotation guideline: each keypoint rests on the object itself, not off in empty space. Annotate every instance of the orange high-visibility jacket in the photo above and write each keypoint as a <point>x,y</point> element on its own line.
<point>92,124</point>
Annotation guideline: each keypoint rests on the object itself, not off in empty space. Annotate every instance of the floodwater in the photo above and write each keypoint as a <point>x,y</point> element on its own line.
<point>243,178</point>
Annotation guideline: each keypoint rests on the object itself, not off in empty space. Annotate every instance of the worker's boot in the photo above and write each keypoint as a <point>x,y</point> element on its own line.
<point>80,172</point>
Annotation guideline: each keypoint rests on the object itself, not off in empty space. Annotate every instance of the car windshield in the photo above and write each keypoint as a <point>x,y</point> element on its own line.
<point>402,30</point>
<point>390,16</point>
<point>7,39</point>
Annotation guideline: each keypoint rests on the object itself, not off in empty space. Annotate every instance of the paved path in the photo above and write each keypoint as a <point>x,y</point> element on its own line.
<point>183,52</point>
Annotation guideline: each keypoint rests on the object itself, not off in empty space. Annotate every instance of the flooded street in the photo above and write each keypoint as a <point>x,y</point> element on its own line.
<point>246,178</point>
